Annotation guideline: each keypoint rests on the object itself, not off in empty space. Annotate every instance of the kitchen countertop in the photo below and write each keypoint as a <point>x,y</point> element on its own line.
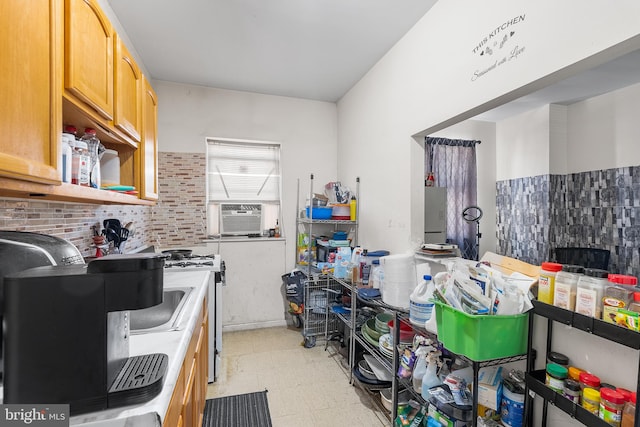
<point>174,344</point>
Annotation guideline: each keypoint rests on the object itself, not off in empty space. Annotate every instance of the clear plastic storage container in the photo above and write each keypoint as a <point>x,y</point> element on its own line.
<point>566,287</point>
<point>617,294</point>
<point>590,292</point>
<point>547,281</point>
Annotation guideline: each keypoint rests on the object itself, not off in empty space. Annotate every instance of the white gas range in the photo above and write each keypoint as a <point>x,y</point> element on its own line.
<point>213,263</point>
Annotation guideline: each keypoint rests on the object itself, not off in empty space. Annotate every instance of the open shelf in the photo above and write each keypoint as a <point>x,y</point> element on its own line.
<point>535,382</point>
<point>589,324</point>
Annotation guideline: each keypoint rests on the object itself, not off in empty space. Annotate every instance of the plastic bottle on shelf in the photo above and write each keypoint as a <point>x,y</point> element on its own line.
<point>67,140</point>
<point>618,293</point>
<point>72,130</point>
<point>374,274</point>
<point>611,406</point>
<point>629,412</point>
<point>430,378</point>
<point>93,145</point>
<point>590,291</point>
<point>419,369</point>
<point>547,280</point>
<point>635,304</point>
<point>564,295</point>
<point>421,302</point>
<point>352,208</point>
<point>276,230</point>
<point>79,163</point>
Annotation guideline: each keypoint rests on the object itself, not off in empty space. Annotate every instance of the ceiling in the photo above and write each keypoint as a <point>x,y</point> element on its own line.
<point>312,49</point>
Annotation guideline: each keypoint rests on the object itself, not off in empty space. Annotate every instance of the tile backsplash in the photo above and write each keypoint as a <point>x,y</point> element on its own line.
<point>595,209</point>
<point>72,221</point>
<point>177,219</point>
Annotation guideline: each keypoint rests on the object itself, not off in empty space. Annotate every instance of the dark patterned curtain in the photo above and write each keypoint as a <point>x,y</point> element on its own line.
<point>453,165</point>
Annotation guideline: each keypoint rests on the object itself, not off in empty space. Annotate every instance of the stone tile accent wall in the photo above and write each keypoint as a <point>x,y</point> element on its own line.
<point>179,217</point>
<point>72,221</point>
<point>598,209</point>
<point>522,214</point>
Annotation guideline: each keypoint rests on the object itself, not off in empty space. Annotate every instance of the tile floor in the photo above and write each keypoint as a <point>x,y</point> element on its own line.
<point>307,387</point>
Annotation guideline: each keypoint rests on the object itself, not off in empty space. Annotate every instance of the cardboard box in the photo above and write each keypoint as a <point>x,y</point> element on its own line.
<point>508,265</point>
<point>490,387</point>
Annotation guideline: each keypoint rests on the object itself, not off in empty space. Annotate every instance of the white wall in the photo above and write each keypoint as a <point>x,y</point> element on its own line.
<point>307,133</point>
<point>603,131</point>
<point>424,83</point>
<point>597,133</point>
<point>522,145</point>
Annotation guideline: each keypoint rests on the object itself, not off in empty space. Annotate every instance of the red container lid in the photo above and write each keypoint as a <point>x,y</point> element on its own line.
<point>625,393</point>
<point>589,380</point>
<point>633,398</point>
<point>636,296</point>
<point>621,279</point>
<point>551,266</point>
<point>611,396</point>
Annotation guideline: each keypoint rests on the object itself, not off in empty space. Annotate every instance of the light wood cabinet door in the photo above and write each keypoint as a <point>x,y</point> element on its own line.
<point>30,100</point>
<point>188,404</point>
<point>189,395</point>
<point>88,68</point>
<point>128,92</point>
<point>148,149</point>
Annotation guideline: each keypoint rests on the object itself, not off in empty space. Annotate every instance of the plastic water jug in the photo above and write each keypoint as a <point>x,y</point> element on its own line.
<point>421,302</point>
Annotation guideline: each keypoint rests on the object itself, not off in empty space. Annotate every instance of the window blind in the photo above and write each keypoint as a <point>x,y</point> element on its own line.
<point>243,171</point>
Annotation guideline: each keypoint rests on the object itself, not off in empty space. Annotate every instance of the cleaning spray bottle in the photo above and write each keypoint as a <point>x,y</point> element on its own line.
<point>430,378</point>
<point>420,368</point>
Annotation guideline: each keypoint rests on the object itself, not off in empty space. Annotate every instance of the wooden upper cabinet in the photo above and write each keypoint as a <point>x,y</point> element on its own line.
<point>30,106</point>
<point>128,92</point>
<point>88,67</point>
<point>148,149</point>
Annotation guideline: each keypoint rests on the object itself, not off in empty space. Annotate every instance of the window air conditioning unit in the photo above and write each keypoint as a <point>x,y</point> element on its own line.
<point>240,219</point>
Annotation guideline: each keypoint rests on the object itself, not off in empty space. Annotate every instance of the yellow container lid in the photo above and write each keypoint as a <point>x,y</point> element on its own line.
<point>591,394</point>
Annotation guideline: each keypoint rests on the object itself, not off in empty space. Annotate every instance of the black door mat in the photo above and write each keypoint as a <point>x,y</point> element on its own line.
<point>250,409</point>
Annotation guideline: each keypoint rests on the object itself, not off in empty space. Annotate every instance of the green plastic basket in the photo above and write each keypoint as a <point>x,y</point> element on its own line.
<point>482,337</point>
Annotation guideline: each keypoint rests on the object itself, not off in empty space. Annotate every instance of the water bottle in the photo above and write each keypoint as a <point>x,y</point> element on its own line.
<point>79,163</point>
<point>93,144</point>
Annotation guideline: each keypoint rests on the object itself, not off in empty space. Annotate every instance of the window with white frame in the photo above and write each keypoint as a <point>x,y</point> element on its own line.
<point>243,186</point>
